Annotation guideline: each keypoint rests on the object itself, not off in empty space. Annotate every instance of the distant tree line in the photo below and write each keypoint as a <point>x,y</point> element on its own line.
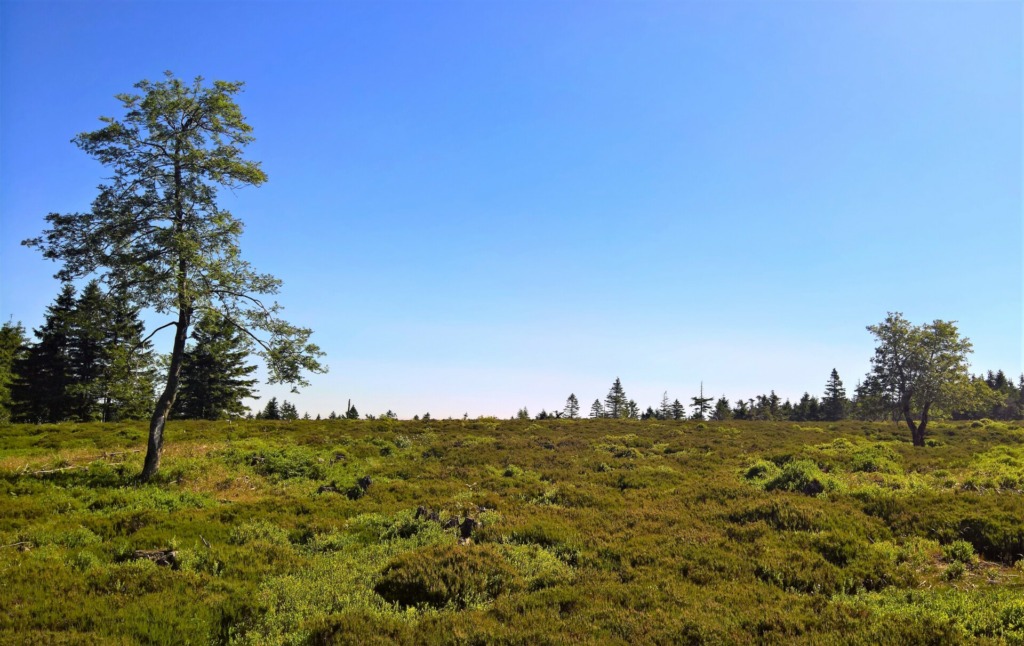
<point>992,396</point>
<point>90,361</point>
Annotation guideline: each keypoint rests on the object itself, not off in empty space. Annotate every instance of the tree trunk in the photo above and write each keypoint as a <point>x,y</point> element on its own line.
<point>916,433</point>
<point>919,440</point>
<point>166,401</point>
<point>916,429</point>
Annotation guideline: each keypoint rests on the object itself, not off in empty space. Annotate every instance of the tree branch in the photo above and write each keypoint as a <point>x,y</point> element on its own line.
<point>143,342</point>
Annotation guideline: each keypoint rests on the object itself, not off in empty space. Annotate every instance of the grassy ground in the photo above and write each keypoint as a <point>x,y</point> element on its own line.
<point>587,531</point>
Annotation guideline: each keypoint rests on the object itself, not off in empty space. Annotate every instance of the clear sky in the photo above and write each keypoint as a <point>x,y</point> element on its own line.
<point>486,205</point>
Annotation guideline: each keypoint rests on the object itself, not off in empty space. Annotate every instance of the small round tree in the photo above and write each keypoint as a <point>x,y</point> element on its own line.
<point>918,369</point>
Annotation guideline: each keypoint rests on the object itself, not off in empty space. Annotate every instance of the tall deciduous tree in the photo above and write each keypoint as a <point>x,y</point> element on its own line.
<point>156,233</point>
<point>918,368</point>
<point>215,378</point>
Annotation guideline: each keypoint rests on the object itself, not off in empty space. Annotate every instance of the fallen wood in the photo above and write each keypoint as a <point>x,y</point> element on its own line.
<point>160,557</point>
<point>23,546</point>
<point>79,466</point>
<point>45,471</point>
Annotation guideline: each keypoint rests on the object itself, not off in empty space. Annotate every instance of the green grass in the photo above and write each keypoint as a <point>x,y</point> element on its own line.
<point>594,531</point>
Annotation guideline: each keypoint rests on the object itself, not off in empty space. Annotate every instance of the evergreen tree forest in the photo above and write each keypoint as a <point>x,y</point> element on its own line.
<point>89,362</point>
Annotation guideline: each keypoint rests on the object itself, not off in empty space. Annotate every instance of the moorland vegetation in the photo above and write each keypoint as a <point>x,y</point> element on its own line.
<point>515,532</point>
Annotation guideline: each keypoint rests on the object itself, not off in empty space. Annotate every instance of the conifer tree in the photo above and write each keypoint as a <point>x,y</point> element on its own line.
<point>742,410</point>
<point>616,404</point>
<point>572,406</point>
<point>632,410</point>
<point>288,411</point>
<point>722,411</point>
<point>596,410</point>
<point>808,409</point>
<point>271,411</point>
<point>13,346</point>
<point>701,404</point>
<point>87,353</point>
<point>215,376</point>
<point>665,409</point>
<point>678,410</point>
<point>834,404</point>
<point>129,373</point>
<point>43,374</point>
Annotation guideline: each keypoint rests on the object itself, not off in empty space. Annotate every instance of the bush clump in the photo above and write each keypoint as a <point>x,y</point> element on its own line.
<point>803,476</point>
<point>440,577</point>
<point>959,552</point>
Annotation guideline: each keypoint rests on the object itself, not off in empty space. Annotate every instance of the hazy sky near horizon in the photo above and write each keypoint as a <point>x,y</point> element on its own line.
<point>480,206</point>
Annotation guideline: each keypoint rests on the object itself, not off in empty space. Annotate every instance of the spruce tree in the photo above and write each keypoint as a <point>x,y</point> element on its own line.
<point>13,346</point>
<point>288,411</point>
<point>834,404</point>
<point>43,375</point>
<point>742,410</point>
<point>632,410</point>
<point>616,404</point>
<point>722,411</point>
<point>678,410</point>
<point>596,410</point>
<point>129,373</point>
<point>351,412</point>
<point>572,406</point>
<point>87,353</point>
<point>215,376</point>
<point>806,410</point>
<point>271,411</point>
<point>665,410</point>
<point>701,404</point>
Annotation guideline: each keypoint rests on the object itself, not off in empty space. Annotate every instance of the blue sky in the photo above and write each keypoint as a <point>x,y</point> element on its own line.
<point>487,205</point>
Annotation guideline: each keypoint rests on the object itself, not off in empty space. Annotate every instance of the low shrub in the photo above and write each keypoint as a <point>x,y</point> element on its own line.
<point>959,552</point>
<point>803,476</point>
<point>440,577</point>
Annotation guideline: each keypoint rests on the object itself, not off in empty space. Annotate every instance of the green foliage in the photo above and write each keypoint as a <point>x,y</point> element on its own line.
<point>804,476</point>
<point>960,552</point>
<point>13,345</point>
<point>157,236</point>
<point>916,368</point>
<point>442,577</point>
<point>214,374</point>
<point>683,535</point>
